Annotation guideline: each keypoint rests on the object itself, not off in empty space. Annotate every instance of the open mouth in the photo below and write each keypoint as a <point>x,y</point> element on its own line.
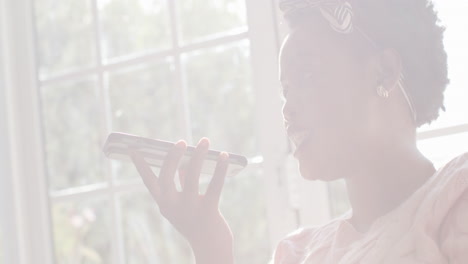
<point>298,138</point>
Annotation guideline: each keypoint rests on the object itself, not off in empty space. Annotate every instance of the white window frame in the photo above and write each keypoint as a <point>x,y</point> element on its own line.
<point>26,222</point>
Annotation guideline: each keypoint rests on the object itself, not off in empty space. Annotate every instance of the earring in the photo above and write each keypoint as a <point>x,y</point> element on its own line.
<point>382,92</point>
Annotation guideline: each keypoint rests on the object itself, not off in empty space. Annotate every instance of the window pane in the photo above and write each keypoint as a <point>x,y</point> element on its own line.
<point>221,97</point>
<point>441,150</point>
<point>64,35</point>
<point>144,102</point>
<point>72,141</point>
<point>201,18</point>
<point>82,232</point>
<point>453,16</point>
<point>133,26</point>
<point>148,237</point>
<point>243,203</point>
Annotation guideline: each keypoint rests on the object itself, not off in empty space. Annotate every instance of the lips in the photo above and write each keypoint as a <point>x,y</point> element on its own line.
<point>298,136</point>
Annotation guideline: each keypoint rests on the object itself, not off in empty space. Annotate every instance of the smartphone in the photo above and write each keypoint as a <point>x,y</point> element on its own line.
<point>119,146</point>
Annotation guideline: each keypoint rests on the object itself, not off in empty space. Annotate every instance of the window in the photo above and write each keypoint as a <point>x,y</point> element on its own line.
<point>142,67</point>
<point>448,136</point>
<point>77,70</point>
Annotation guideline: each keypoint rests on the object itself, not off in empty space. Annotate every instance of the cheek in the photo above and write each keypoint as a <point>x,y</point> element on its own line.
<point>330,110</point>
<point>337,134</point>
<point>348,106</point>
<point>335,107</point>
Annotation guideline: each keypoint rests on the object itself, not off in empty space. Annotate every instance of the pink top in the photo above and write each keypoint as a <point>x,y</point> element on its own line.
<point>431,226</point>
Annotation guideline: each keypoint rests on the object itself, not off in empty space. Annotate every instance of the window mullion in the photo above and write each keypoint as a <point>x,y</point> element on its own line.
<point>183,115</point>
<point>272,138</point>
<point>118,249</point>
<point>142,59</point>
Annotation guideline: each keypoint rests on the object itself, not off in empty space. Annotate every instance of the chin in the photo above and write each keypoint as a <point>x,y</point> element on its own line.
<point>319,167</point>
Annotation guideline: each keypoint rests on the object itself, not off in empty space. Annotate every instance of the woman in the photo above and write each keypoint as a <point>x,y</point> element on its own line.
<point>358,78</point>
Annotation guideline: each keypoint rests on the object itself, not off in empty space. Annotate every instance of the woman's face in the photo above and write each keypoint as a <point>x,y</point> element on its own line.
<point>328,91</point>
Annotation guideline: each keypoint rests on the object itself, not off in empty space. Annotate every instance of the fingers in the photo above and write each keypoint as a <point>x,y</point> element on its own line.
<point>215,188</point>
<point>192,177</point>
<point>169,167</point>
<point>149,179</point>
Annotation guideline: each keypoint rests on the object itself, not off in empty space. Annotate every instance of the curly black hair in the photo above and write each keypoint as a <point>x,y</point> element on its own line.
<point>413,28</point>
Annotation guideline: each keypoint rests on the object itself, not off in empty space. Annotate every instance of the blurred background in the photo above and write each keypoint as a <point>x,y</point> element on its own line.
<point>73,71</point>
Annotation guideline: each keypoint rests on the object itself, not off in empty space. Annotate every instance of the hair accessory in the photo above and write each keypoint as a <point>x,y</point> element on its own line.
<point>339,14</point>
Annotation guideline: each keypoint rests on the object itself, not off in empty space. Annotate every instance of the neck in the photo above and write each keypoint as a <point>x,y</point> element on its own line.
<point>385,182</point>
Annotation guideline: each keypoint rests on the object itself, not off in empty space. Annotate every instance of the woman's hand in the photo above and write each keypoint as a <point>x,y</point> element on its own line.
<point>196,216</point>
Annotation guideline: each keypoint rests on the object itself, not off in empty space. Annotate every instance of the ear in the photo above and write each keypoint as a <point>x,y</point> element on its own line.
<point>390,68</point>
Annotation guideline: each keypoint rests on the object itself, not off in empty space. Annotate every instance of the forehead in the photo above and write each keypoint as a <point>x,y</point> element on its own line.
<point>306,47</point>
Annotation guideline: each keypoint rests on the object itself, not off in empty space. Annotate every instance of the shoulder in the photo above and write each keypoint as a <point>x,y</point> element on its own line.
<point>444,189</point>
<point>458,166</point>
<point>452,205</point>
<point>457,217</point>
<point>451,181</point>
<point>453,234</point>
<point>454,177</point>
<point>295,245</point>
<point>303,240</point>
